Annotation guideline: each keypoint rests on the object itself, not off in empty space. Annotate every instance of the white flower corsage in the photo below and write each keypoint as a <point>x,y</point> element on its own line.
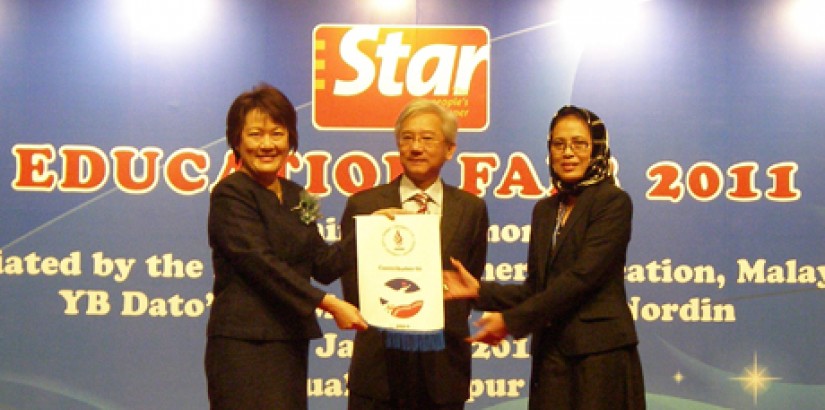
<point>309,208</point>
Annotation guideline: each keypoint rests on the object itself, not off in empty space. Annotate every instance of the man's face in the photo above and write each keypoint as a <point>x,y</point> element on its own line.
<point>423,149</point>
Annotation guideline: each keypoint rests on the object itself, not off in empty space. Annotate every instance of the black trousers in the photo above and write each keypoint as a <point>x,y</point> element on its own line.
<point>357,402</point>
<point>408,386</point>
<point>247,374</point>
<point>610,380</point>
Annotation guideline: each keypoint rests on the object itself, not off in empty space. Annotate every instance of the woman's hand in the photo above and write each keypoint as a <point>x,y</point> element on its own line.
<point>493,329</point>
<point>347,316</point>
<point>459,284</point>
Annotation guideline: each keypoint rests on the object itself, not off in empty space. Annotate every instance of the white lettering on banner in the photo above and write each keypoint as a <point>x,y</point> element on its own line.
<point>508,233</point>
<point>333,347</point>
<point>665,272</point>
<point>516,349</point>
<point>330,230</point>
<point>392,50</point>
<point>496,388</point>
<point>97,302</point>
<point>790,272</point>
<point>136,303</point>
<point>104,266</point>
<point>694,310</point>
<point>490,388</point>
<point>505,272</point>
<point>333,387</point>
<point>33,264</point>
<point>167,266</point>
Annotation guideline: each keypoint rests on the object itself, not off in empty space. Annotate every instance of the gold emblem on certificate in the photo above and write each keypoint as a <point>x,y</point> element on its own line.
<point>398,240</point>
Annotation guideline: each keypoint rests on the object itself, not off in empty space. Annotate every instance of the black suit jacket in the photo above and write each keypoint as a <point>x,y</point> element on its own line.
<point>263,257</point>
<point>576,290</point>
<point>464,224</point>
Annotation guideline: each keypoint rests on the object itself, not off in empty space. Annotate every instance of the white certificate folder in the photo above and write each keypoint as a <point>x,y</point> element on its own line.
<point>399,272</point>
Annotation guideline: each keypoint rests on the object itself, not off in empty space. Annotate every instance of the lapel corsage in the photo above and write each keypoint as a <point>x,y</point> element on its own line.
<point>309,208</point>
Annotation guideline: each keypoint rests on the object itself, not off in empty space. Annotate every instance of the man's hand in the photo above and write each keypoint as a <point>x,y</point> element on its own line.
<point>392,212</point>
<point>459,284</point>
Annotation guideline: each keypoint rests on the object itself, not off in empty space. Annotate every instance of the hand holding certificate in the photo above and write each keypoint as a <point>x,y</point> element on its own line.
<point>400,279</point>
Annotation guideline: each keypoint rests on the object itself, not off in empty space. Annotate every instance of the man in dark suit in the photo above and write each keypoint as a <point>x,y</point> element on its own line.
<point>386,378</point>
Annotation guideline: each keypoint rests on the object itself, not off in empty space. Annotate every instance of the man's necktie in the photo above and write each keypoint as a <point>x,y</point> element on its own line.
<point>421,199</point>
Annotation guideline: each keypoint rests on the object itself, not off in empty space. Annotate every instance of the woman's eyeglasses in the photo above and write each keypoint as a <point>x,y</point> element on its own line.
<point>559,146</point>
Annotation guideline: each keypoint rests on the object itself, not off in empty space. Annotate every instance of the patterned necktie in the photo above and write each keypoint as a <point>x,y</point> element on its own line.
<point>421,199</point>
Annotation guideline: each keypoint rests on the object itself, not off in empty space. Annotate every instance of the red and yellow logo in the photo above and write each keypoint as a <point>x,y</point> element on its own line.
<point>363,75</point>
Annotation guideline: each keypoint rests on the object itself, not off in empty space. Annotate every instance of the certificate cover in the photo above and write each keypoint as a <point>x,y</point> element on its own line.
<point>399,277</point>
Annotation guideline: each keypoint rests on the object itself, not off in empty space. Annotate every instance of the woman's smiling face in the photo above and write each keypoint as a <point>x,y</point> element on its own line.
<point>264,147</point>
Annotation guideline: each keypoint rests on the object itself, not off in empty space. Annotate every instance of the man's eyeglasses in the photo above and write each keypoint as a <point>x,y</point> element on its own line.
<point>427,140</point>
<point>578,146</point>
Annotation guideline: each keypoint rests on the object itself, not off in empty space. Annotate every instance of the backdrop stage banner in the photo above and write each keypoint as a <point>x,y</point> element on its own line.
<point>112,135</point>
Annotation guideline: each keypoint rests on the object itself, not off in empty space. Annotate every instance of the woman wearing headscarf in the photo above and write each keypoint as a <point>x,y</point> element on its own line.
<point>584,353</point>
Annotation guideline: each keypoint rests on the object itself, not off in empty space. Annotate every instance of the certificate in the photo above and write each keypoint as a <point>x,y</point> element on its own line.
<point>399,272</point>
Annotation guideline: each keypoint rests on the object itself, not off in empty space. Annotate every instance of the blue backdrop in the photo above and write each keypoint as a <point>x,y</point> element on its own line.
<point>714,110</point>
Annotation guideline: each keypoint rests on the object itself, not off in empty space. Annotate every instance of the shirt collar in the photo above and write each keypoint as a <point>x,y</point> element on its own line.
<point>408,189</point>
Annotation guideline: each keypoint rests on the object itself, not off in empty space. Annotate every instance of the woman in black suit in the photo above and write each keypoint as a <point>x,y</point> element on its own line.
<point>265,248</point>
<point>574,301</point>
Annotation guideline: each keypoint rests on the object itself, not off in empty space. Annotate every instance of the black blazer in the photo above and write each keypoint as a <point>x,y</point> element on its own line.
<point>263,258</point>
<point>576,290</point>
<point>464,224</point>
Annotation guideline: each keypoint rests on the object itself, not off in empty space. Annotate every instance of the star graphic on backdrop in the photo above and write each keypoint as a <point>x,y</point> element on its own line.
<point>755,379</point>
<point>678,377</point>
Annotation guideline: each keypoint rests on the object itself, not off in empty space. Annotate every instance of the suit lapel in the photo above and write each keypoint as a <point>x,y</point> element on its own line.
<point>582,204</point>
<point>391,195</point>
<point>544,238</point>
<point>451,215</point>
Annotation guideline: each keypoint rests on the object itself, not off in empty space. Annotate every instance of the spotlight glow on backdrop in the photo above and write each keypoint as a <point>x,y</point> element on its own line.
<point>600,22</point>
<point>168,21</point>
<point>390,5</point>
<point>807,19</point>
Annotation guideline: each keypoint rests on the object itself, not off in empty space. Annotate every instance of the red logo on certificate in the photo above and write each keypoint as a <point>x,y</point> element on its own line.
<point>402,298</point>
